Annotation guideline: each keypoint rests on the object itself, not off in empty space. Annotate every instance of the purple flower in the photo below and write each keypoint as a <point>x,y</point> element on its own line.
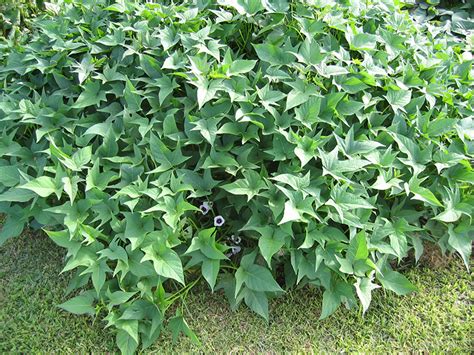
<point>218,221</point>
<point>205,208</point>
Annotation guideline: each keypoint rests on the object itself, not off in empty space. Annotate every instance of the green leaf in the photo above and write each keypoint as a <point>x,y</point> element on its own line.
<point>269,97</point>
<point>205,242</point>
<point>416,157</point>
<point>364,287</point>
<point>256,278</point>
<point>82,157</point>
<point>98,270</point>
<point>291,213</point>
<point>331,302</point>
<point>333,297</point>
<point>137,310</point>
<point>241,66</point>
<point>423,194</point>
<point>84,68</point>
<point>166,262</point>
<point>126,343</point>
<point>82,304</point>
<point>130,326</point>
<point>305,149</point>
<point>308,112</point>
<point>348,201</point>
<point>177,325</point>
<point>349,107</point>
<point>132,97</point>
<point>168,37</point>
<point>249,186</point>
<point>165,158</point>
<point>207,128</point>
<point>363,41</point>
<point>358,247</point>
<point>301,93</point>
<point>136,228</point>
<point>78,160</point>
<point>70,187</point>
<point>257,302</point>
<point>350,146</point>
<point>270,243</point>
<point>309,52</point>
<point>42,186</point>
<point>62,238</point>
<point>460,238</point>
<point>273,54</point>
<point>119,297</point>
<point>210,271</point>
<point>10,176</point>
<point>393,42</point>
<point>17,194</point>
<point>166,87</point>
<point>12,227</point>
<point>207,90</point>
<point>396,282</point>
<point>335,167</point>
<point>398,99</point>
<point>91,96</point>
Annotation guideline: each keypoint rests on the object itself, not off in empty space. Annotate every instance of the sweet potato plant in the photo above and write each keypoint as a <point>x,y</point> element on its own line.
<point>254,145</point>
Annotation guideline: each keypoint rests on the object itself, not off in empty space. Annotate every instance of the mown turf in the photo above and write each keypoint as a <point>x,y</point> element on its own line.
<point>438,317</point>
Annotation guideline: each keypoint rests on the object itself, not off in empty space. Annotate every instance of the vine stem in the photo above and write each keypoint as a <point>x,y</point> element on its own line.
<point>229,267</point>
<point>183,290</point>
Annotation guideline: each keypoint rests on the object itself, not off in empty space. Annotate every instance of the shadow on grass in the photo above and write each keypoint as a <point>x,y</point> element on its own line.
<point>436,318</point>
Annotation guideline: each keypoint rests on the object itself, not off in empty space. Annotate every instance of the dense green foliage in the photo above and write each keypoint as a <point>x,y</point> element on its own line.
<point>255,144</point>
<point>14,15</point>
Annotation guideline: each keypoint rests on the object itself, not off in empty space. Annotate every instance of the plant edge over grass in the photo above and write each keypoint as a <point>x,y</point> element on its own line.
<point>242,144</point>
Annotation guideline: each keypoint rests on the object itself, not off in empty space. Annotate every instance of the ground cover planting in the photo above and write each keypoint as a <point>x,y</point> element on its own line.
<point>254,146</point>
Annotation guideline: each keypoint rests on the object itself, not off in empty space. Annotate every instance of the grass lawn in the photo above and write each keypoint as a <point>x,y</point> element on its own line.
<point>438,317</point>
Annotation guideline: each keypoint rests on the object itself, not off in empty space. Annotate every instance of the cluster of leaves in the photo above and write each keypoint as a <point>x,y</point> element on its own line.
<point>14,14</point>
<point>330,138</point>
<point>453,16</point>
